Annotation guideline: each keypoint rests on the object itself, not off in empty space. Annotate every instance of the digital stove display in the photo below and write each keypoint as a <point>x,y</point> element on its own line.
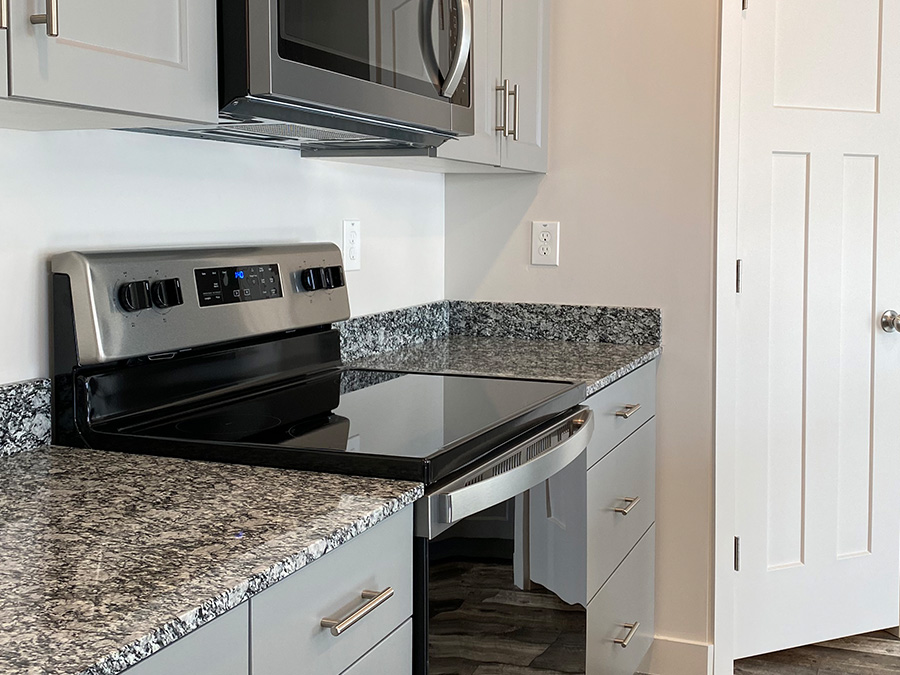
<point>227,285</point>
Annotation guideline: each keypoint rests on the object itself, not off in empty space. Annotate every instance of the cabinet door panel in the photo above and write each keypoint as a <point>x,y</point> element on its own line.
<point>392,655</point>
<point>288,638</point>
<point>150,57</point>
<point>526,62</point>
<point>625,600</point>
<point>221,647</point>
<point>4,81</point>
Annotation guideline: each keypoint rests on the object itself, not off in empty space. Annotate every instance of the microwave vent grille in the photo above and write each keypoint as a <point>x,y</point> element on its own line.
<point>296,132</point>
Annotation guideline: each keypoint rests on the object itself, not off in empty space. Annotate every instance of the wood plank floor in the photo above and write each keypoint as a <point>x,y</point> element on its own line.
<point>480,626</point>
<point>869,654</point>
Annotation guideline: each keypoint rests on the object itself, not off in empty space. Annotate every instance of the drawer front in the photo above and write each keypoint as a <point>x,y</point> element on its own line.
<point>610,428</point>
<point>221,647</point>
<point>287,636</point>
<point>628,472</point>
<point>626,599</point>
<point>392,655</point>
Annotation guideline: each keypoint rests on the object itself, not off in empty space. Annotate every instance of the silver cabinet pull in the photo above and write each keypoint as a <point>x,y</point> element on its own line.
<point>515,94</point>
<point>632,502</point>
<point>4,14</point>
<point>632,630</point>
<point>375,599</point>
<point>504,88</point>
<point>890,321</point>
<point>51,18</point>
<point>628,410</point>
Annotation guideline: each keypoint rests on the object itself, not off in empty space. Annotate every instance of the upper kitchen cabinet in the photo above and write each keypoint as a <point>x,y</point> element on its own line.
<point>511,75</point>
<point>146,59</point>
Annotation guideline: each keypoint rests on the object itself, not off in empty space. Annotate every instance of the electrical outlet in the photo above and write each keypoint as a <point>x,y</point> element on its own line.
<point>545,242</point>
<point>352,245</point>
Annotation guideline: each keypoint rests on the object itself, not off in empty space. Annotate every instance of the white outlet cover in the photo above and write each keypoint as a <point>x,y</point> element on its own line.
<point>352,248</point>
<point>545,243</point>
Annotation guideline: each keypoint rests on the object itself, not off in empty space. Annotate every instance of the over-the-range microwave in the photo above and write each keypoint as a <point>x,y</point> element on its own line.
<point>364,75</point>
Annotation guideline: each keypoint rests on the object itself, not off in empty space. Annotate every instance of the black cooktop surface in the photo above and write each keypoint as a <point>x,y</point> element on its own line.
<point>394,425</point>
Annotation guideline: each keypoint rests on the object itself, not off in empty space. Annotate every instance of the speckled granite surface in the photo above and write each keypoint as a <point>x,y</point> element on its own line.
<point>107,557</point>
<point>579,323</point>
<point>596,363</point>
<point>24,416</point>
<point>374,333</point>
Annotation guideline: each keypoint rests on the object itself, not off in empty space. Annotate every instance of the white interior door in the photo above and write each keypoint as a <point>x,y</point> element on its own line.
<point>818,381</point>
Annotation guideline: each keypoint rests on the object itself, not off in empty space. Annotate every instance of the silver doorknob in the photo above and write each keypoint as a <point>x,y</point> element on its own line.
<point>890,321</point>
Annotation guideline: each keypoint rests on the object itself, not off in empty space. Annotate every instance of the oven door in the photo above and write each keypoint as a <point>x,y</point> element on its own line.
<point>474,604</point>
<point>405,61</point>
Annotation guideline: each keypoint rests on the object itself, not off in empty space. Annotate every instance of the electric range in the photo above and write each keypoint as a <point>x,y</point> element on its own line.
<point>229,355</point>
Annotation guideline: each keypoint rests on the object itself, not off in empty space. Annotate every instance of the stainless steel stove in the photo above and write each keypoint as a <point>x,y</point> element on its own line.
<point>229,355</point>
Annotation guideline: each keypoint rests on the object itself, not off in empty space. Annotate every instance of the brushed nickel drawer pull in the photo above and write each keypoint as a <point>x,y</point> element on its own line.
<point>632,502</point>
<point>628,410</point>
<point>51,18</point>
<point>375,599</point>
<point>632,630</point>
<point>504,108</point>
<point>4,14</point>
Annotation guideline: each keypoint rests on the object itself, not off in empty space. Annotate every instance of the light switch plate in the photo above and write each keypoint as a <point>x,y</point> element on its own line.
<point>352,248</point>
<point>545,242</point>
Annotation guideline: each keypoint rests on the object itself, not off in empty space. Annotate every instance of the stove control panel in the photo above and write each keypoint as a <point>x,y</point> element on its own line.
<point>245,283</point>
<point>128,304</point>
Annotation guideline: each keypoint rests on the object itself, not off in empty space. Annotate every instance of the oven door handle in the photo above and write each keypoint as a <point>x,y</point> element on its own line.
<point>528,464</point>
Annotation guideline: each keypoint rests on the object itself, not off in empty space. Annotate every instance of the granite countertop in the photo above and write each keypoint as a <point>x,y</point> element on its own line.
<point>598,364</point>
<point>107,557</point>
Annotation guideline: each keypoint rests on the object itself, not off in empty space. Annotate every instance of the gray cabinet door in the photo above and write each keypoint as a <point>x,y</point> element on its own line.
<point>149,57</point>
<point>221,647</point>
<point>391,656</point>
<point>526,63</point>
<point>484,146</point>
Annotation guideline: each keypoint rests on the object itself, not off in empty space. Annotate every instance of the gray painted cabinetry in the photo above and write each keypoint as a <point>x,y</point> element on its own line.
<point>592,526</point>
<point>107,63</point>
<point>279,630</point>
<point>512,43</point>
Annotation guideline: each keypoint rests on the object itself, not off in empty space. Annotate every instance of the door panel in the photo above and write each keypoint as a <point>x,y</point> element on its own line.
<point>150,57</point>
<point>819,227</point>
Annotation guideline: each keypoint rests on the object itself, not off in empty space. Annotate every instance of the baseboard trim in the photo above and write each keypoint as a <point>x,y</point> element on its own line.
<point>669,656</point>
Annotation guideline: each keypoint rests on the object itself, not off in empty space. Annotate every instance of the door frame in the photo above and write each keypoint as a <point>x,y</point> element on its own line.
<point>727,178</point>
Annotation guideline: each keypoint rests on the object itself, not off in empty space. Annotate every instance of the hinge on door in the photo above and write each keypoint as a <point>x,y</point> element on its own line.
<point>738,276</point>
<point>737,554</point>
<point>745,4</point>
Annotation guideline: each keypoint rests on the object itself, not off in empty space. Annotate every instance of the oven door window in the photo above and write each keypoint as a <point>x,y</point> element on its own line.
<point>402,44</point>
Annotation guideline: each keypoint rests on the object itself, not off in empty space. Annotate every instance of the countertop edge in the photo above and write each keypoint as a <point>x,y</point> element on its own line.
<point>138,650</point>
<point>593,386</point>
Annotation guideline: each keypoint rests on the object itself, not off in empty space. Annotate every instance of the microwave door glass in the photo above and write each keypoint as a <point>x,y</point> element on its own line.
<point>403,44</point>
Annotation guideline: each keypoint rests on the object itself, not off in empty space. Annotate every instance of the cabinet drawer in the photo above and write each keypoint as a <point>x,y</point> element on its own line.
<point>628,472</point>
<point>221,647</point>
<point>625,600</point>
<point>286,633</point>
<point>392,655</point>
<point>610,429</point>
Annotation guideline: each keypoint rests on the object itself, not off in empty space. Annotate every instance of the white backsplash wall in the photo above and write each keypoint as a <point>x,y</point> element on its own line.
<point>90,190</point>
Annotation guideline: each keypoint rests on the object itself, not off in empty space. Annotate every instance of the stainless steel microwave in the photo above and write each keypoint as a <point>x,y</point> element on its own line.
<point>352,73</point>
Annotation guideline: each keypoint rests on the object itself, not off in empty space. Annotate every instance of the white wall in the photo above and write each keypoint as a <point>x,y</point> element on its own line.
<point>64,191</point>
<point>631,178</point>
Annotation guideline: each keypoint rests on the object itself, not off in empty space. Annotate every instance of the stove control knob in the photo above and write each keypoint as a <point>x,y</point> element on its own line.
<point>134,296</point>
<point>167,293</point>
<point>334,277</point>
<point>312,278</point>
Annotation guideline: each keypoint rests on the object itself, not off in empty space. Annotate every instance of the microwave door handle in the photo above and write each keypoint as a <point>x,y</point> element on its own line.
<point>455,503</point>
<point>463,47</point>
<point>426,42</point>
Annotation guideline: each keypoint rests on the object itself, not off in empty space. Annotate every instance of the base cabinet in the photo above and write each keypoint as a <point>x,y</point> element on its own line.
<point>280,632</point>
<point>620,616</point>
<point>221,647</point>
<point>592,525</point>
